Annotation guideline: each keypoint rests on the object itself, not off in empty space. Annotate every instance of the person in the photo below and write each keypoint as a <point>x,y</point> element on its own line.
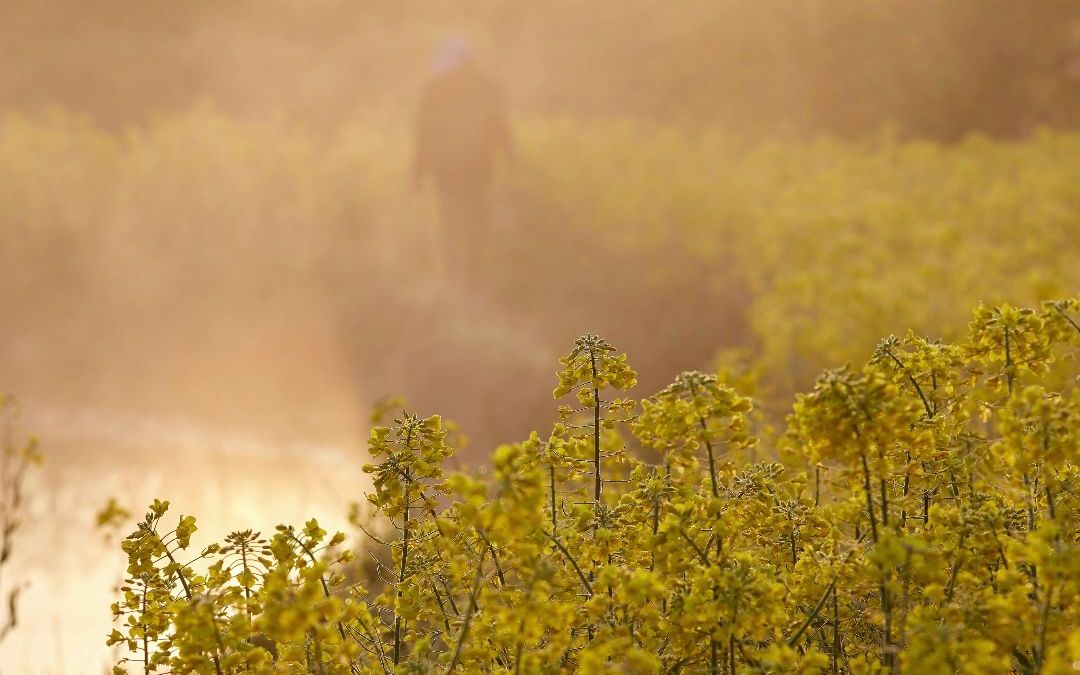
<point>461,132</point>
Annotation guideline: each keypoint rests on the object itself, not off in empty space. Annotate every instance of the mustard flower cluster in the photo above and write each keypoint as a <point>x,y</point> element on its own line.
<point>921,515</point>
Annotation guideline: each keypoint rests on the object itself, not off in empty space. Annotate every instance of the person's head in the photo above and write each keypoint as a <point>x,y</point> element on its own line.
<point>454,52</point>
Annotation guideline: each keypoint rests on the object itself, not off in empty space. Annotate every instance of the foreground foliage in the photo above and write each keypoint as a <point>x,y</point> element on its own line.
<point>924,518</point>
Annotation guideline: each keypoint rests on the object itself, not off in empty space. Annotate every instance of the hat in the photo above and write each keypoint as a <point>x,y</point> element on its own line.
<point>453,52</point>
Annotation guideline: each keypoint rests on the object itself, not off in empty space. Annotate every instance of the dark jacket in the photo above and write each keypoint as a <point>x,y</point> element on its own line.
<point>461,129</point>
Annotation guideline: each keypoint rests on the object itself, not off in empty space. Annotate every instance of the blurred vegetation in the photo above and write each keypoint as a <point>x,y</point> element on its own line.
<point>802,176</point>
<point>935,69</point>
<point>17,458</point>
<point>797,253</point>
<point>820,245</point>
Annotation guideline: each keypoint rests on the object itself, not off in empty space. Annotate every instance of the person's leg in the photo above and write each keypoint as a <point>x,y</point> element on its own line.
<point>451,224</point>
<point>475,234</point>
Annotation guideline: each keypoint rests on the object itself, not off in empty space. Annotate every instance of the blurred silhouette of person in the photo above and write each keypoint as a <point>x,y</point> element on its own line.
<point>461,131</point>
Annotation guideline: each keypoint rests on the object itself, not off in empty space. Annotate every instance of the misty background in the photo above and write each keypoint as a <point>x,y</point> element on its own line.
<point>213,262</point>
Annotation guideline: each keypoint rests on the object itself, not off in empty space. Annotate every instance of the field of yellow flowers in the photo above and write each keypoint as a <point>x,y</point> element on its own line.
<point>918,513</point>
<point>791,256</point>
<point>923,516</point>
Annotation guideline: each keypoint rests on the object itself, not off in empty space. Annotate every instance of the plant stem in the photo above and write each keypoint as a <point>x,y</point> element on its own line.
<point>794,639</point>
<point>836,632</point>
<point>731,651</point>
<point>1030,504</point>
<point>597,479</point>
<point>187,592</point>
<point>468,612</point>
<point>708,443</point>
<point>886,637</point>
<point>554,522</point>
<point>884,503</point>
<point>907,487</point>
<point>577,568</point>
<point>1044,617</point>
<point>1008,362</point>
<point>402,569</point>
<point>914,383</point>
<point>869,497</point>
<point>145,639</point>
